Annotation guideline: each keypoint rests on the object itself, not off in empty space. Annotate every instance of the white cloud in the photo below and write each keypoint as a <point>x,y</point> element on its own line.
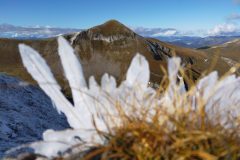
<point>165,33</point>
<point>155,32</point>
<point>224,29</point>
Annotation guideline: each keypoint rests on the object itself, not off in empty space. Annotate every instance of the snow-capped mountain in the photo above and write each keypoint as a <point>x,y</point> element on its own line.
<point>18,32</point>
<point>25,112</point>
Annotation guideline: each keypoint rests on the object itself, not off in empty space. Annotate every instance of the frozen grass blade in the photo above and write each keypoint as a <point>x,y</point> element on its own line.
<point>72,69</point>
<point>40,71</point>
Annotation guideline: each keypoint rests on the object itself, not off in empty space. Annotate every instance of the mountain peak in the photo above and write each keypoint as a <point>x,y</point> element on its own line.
<point>113,23</point>
<point>112,27</point>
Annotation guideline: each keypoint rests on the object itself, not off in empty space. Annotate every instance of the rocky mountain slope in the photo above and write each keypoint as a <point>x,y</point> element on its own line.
<point>105,48</point>
<point>25,112</point>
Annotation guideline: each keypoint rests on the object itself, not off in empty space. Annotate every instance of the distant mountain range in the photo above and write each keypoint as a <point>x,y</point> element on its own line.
<point>18,32</point>
<point>170,35</point>
<point>197,42</point>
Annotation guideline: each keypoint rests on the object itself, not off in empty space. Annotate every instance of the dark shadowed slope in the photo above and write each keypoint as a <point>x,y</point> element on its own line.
<point>25,113</point>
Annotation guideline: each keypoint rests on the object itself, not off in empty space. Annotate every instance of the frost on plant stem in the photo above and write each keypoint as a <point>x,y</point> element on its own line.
<point>100,107</point>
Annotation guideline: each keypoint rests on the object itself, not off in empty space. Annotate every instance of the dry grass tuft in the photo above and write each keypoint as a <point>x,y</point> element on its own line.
<point>186,134</point>
<point>188,138</point>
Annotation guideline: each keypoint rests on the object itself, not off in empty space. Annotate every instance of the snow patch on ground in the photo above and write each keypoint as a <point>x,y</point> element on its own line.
<point>74,37</point>
<point>108,39</point>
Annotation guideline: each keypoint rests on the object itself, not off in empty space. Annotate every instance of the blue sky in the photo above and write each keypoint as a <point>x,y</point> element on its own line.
<point>180,14</point>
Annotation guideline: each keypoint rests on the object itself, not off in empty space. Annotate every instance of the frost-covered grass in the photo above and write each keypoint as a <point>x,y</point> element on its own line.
<point>134,121</point>
<point>189,137</point>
